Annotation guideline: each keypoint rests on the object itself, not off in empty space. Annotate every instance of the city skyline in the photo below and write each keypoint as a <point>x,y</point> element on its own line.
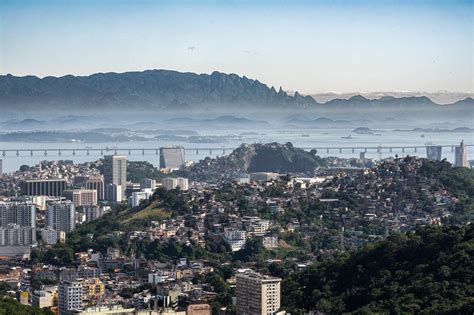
<point>309,47</point>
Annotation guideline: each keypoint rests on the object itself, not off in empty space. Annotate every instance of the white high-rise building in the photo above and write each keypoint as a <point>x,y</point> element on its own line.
<point>61,216</point>
<point>257,294</point>
<point>70,297</point>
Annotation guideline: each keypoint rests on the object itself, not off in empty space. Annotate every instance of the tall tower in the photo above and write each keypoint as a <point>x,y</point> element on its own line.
<point>257,294</point>
<point>115,171</point>
<point>61,216</point>
<point>460,155</point>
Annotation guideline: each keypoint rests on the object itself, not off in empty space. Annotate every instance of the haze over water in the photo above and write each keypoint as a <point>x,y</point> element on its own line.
<point>306,138</point>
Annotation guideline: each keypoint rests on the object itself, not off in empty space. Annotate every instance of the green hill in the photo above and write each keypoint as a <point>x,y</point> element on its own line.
<point>427,272</point>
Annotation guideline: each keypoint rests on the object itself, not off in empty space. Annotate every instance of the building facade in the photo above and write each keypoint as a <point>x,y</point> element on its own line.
<point>44,187</point>
<point>115,171</point>
<point>61,216</point>
<point>460,155</point>
<point>70,297</point>
<point>257,294</point>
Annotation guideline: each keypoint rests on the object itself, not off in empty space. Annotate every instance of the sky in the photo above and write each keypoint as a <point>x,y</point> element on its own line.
<point>309,46</point>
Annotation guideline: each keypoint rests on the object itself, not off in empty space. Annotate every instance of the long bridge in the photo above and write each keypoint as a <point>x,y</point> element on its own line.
<point>156,150</point>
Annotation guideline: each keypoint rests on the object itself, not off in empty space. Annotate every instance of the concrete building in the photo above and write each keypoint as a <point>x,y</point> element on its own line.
<point>93,212</point>
<point>138,196</point>
<point>433,152</point>
<point>93,289</point>
<point>42,298</point>
<point>257,294</point>
<point>44,187</point>
<point>172,183</point>
<point>96,183</point>
<point>114,193</point>
<point>460,155</point>
<point>49,235</point>
<point>109,310</point>
<point>70,297</point>
<point>199,309</point>
<point>15,235</point>
<point>148,183</point>
<point>172,158</point>
<point>21,213</point>
<point>115,171</point>
<point>61,216</point>
<point>263,176</point>
<point>81,197</point>
<point>235,239</point>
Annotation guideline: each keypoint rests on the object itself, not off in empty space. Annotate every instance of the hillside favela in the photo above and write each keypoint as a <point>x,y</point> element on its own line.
<point>259,157</point>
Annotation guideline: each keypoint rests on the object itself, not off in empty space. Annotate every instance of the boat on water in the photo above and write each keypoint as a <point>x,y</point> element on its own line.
<point>305,135</point>
<point>422,135</point>
<point>347,137</point>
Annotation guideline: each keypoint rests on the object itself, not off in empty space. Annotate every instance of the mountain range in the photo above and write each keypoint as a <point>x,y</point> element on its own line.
<point>172,91</point>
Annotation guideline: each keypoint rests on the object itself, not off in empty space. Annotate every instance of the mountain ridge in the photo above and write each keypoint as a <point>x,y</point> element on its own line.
<point>169,90</point>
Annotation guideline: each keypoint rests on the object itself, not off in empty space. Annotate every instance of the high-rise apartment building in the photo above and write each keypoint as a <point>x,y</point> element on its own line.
<point>44,187</point>
<point>81,197</point>
<point>70,297</point>
<point>460,155</point>
<point>115,172</point>
<point>61,216</point>
<point>172,158</point>
<point>16,235</point>
<point>257,294</point>
<point>21,213</point>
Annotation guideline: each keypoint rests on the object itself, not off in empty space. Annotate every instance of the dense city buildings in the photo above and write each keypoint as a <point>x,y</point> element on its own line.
<point>172,158</point>
<point>186,251</point>
<point>115,173</point>
<point>257,294</point>
<point>45,187</point>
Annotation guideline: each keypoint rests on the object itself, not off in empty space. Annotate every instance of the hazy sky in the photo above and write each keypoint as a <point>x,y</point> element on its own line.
<point>310,46</point>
